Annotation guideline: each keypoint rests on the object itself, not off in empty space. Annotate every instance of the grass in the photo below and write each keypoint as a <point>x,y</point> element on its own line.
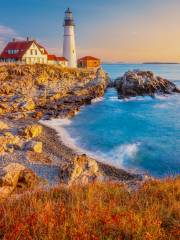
<point>106,211</point>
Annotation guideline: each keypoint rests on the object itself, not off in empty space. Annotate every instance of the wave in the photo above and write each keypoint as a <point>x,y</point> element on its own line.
<point>113,99</point>
<point>115,157</point>
<point>59,126</point>
<point>99,99</point>
<point>119,155</point>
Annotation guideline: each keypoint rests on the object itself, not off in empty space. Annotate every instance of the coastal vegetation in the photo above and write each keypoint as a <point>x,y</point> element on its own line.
<point>95,211</point>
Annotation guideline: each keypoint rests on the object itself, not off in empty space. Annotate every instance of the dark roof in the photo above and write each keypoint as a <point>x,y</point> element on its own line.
<point>21,46</point>
<point>88,58</point>
<point>68,10</point>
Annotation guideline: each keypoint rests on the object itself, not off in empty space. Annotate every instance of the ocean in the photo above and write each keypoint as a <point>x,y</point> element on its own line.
<point>140,134</point>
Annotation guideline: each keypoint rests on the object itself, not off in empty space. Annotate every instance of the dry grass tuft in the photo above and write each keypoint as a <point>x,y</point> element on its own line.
<point>104,211</point>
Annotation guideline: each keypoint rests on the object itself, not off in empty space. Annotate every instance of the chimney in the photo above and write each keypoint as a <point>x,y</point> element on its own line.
<point>27,39</point>
<point>13,39</point>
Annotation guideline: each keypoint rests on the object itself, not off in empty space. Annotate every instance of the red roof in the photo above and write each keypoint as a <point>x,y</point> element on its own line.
<point>21,46</point>
<point>62,59</point>
<point>55,58</point>
<point>52,57</point>
<point>86,58</point>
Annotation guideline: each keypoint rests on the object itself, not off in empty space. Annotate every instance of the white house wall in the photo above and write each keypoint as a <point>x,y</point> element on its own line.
<point>33,55</point>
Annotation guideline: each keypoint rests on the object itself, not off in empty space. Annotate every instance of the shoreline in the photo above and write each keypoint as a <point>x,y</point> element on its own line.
<point>68,150</point>
<point>58,125</point>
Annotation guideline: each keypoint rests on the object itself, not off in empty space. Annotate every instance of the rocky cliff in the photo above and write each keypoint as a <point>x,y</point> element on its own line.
<point>43,91</point>
<point>134,83</point>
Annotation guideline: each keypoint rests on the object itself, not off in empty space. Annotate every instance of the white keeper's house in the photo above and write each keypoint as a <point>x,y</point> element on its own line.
<point>29,52</point>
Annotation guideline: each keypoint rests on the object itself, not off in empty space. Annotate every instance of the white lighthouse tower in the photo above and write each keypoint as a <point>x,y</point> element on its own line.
<point>69,46</point>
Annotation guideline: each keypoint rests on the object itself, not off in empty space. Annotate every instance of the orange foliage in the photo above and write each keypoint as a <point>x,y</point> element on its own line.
<point>97,211</point>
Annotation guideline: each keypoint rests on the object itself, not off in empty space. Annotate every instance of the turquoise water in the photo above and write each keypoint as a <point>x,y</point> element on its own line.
<point>142,134</point>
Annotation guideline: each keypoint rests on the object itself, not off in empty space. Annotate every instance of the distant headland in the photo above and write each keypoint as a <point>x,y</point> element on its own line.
<point>160,63</point>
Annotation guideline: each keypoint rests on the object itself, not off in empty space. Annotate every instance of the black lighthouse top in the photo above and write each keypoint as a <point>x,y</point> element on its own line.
<point>68,20</point>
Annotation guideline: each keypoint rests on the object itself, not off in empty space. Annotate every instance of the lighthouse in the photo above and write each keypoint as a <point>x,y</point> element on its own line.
<point>69,46</point>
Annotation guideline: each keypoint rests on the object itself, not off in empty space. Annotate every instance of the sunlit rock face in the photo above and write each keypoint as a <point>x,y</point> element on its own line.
<point>16,177</point>
<point>43,91</point>
<point>134,83</point>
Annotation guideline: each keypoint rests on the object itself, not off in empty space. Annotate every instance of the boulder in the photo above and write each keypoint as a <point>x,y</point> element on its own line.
<point>8,141</point>
<point>81,170</point>
<point>33,131</point>
<point>16,177</point>
<point>11,174</point>
<point>33,146</point>
<point>27,179</point>
<point>3,125</point>
<point>27,105</point>
<point>134,83</point>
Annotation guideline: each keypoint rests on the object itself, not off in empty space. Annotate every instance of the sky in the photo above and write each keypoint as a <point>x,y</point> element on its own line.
<point>113,30</point>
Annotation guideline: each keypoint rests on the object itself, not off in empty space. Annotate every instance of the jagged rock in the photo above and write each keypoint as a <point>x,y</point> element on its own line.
<point>28,105</point>
<point>81,170</point>
<point>47,85</point>
<point>33,131</point>
<point>3,125</point>
<point>143,83</point>
<point>1,111</point>
<point>33,146</point>
<point>27,179</point>
<point>11,174</point>
<point>8,141</point>
<point>16,177</point>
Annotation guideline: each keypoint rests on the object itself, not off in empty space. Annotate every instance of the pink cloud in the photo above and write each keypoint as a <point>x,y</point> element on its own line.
<point>6,33</point>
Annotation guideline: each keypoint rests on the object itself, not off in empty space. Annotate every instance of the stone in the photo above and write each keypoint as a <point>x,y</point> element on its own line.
<point>3,125</point>
<point>11,174</point>
<point>81,170</point>
<point>33,131</point>
<point>16,177</point>
<point>28,105</point>
<point>27,179</point>
<point>33,146</point>
<point>134,83</point>
<point>7,142</point>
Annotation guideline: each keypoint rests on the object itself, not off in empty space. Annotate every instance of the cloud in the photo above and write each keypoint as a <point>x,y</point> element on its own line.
<point>6,33</point>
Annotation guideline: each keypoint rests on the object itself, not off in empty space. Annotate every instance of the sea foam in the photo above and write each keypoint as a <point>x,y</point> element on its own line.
<point>115,157</point>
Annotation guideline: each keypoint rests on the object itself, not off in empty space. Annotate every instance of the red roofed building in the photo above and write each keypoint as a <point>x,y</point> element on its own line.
<point>53,59</point>
<point>29,52</point>
<point>89,62</point>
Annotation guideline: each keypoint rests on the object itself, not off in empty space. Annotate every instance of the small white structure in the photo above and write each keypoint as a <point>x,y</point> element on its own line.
<point>69,47</point>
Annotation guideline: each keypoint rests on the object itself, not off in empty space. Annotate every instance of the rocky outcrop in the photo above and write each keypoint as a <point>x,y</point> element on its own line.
<point>134,83</point>
<point>43,91</point>
<point>22,138</point>
<point>16,177</point>
<point>32,131</point>
<point>33,146</point>
<point>8,142</point>
<point>3,125</point>
<point>83,169</point>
